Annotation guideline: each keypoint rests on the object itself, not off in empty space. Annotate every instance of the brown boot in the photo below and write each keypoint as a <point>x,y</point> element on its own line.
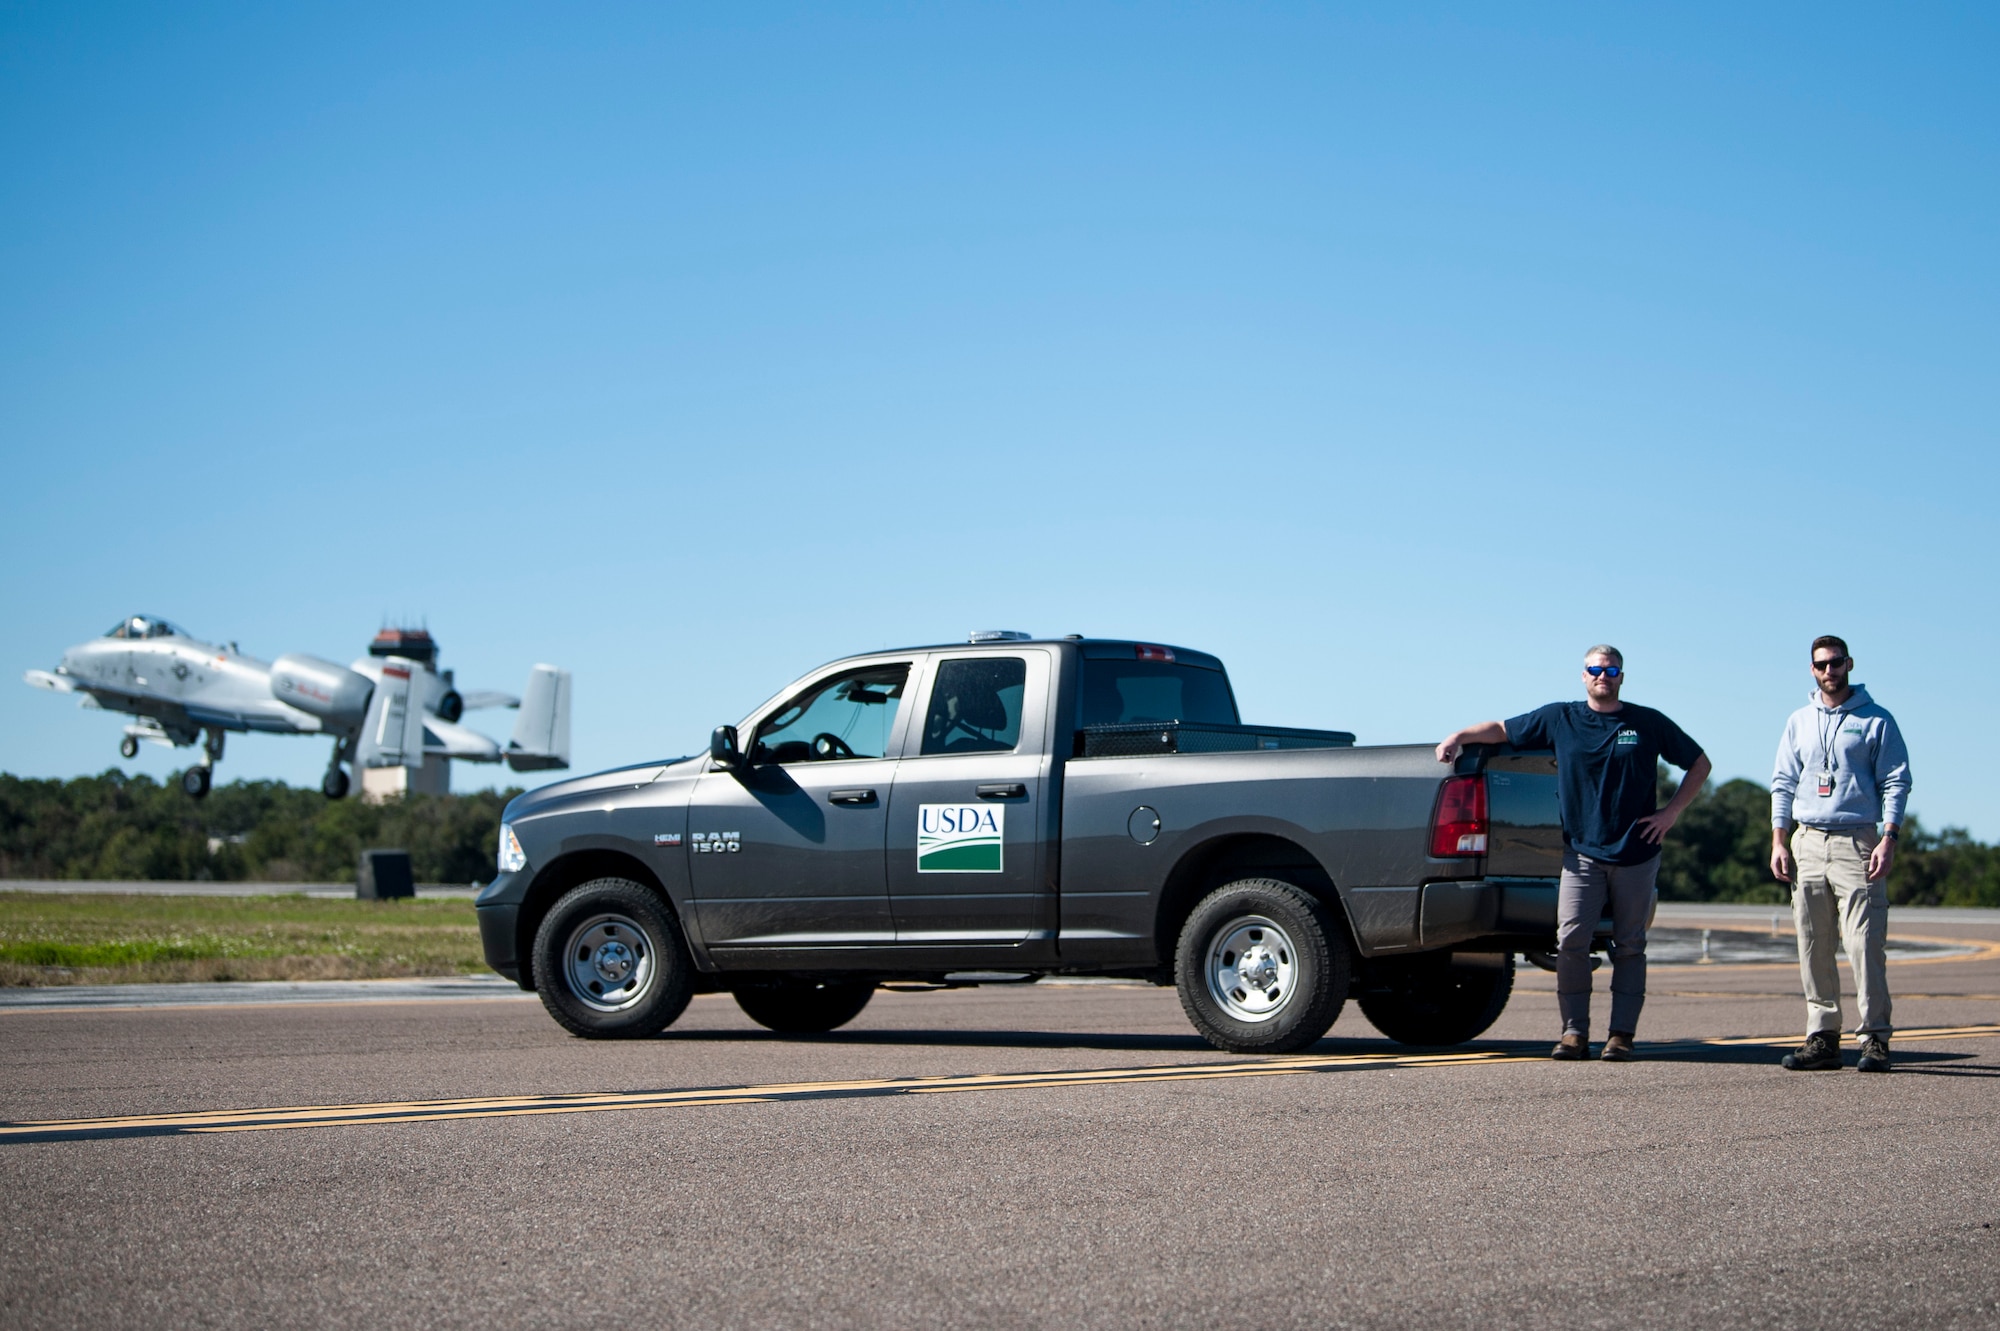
<point>1618,1049</point>
<point>1572,1048</point>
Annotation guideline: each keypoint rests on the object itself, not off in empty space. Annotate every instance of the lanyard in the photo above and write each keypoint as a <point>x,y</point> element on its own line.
<point>1827,762</point>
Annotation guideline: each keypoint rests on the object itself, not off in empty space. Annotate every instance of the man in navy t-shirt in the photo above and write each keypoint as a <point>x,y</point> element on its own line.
<point>1606,752</point>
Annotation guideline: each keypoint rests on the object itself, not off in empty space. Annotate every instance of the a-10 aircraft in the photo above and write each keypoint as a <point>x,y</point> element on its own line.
<point>391,708</point>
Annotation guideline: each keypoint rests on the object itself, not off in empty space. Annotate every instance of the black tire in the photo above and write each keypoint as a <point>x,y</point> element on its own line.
<point>334,784</point>
<point>598,934</point>
<point>801,1005</point>
<point>195,782</point>
<point>1290,939</point>
<point>1431,1002</point>
<point>128,747</point>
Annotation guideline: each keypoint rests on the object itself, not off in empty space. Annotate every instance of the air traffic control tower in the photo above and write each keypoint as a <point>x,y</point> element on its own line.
<point>433,776</point>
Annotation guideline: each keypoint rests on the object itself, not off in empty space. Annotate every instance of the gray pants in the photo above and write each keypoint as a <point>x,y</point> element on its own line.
<point>1586,885</point>
<point>1834,905</point>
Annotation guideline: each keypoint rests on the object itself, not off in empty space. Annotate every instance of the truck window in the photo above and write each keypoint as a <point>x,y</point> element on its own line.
<point>976,706</point>
<point>848,716</point>
<point>1129,692</point>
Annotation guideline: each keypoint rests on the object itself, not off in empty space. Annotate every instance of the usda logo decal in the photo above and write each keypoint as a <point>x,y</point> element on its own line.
<point>960,838</point>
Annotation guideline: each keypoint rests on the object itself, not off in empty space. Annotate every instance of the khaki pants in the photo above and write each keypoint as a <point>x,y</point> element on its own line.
<point>1834,905</point>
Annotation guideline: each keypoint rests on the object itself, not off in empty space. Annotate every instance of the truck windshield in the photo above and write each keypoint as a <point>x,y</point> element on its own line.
<point>849,716</point>
<point>1134,692</point>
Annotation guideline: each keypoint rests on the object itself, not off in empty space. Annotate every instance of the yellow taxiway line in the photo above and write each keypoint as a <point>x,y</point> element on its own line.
<point>1967,951</point>
<point>431,1111</point>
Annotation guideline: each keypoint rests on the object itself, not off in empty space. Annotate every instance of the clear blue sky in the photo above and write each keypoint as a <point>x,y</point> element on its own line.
<point>1395,353</point>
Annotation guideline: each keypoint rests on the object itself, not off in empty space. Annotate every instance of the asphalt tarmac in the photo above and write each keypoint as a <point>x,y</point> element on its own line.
<point>1009,1156</point>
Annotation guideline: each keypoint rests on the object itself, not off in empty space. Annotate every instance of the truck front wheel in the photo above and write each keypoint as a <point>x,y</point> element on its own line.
<point>1427,1000</point>
<point>609,962</point>
<point>1261,968</point>
<point>800,1005</point>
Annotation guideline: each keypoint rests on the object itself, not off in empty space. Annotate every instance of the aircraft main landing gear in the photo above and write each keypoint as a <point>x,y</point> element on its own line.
<point>334,784</point>
<point>128,747</point>
<point>195,781</point>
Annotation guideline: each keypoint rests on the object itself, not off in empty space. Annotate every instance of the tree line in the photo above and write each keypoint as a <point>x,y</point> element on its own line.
<point>119,827</point>
<point>1720,850</point>
<point>115,826</point>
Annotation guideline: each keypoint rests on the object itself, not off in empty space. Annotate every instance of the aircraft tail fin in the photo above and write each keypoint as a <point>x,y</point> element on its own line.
<point>541,731</point>
<point>392,735</point>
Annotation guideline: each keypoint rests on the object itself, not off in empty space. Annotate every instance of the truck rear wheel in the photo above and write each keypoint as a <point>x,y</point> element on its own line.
<point>1430,1001</point>
<point>1261,968</point>
<point>798,1005</point>
<point>609,962</point>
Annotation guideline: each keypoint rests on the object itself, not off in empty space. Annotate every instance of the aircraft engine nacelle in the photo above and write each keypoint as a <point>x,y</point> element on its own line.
<point>331,692</point>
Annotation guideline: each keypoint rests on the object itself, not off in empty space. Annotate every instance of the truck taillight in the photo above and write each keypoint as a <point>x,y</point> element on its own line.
<point>1460,825</point>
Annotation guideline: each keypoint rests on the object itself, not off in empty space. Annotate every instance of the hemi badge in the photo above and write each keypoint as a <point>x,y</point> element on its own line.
<point>666,838</point>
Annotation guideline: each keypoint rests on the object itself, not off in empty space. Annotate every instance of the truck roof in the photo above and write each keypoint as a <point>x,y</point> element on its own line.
<point>1092,648</point>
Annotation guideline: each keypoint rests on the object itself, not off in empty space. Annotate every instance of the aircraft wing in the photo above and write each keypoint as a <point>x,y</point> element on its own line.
<point>277,719</point>
<point>445,740</point>
<point>478,698</point>
<point>54,683</point>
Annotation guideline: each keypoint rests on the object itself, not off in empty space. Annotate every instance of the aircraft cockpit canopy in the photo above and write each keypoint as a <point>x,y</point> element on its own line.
<point>144,626</point>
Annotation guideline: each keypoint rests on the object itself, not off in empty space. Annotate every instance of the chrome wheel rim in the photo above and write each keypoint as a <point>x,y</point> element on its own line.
<point>610,962</point>
<point>1251,968</point>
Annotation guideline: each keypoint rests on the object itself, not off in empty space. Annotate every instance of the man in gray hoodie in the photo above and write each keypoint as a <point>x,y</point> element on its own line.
<point>1842,768</point>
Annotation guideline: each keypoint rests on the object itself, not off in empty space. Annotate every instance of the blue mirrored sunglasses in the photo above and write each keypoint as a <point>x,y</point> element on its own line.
<point>1595,671</point>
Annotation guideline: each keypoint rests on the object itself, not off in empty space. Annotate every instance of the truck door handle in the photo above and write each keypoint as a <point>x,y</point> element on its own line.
<point>1001,790</point>
<point>850,797</point>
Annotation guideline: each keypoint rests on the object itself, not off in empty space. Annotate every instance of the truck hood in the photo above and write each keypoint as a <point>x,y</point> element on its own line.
<point>616,778</point>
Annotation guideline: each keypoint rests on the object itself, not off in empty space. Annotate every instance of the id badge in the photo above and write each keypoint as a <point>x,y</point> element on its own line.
<point>1825,784</point>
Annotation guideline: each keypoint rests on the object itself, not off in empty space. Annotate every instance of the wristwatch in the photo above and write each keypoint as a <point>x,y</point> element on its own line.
<point>1890,833</point>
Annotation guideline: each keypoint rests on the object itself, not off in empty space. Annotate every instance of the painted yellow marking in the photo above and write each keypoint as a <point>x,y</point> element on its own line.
<point>1966,950</point>
<point>1983,949</point>
<point>1915,1033</point>
<point>522,1106</point>
<point>1900,996</point>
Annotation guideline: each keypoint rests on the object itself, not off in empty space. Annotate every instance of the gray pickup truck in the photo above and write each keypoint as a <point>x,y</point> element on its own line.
<point>1013,808</point>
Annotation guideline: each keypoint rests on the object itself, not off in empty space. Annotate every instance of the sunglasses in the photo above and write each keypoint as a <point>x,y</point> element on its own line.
<point>1595,671</point>
<point>1830,663</point>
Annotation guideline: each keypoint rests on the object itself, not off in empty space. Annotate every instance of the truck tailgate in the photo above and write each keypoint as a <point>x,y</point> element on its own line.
<point>1525,817</point>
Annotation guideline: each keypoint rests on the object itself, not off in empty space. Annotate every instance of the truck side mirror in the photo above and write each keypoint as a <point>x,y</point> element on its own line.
<point>722,750</point>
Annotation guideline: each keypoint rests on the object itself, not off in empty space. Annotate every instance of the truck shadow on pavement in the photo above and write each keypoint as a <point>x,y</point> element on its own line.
<point>1698,1051</point>
<point>990,1039</point>
<point>1921,1062</point>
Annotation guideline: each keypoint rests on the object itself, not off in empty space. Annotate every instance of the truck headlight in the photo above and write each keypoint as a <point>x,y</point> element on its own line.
<point>511,859</point>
